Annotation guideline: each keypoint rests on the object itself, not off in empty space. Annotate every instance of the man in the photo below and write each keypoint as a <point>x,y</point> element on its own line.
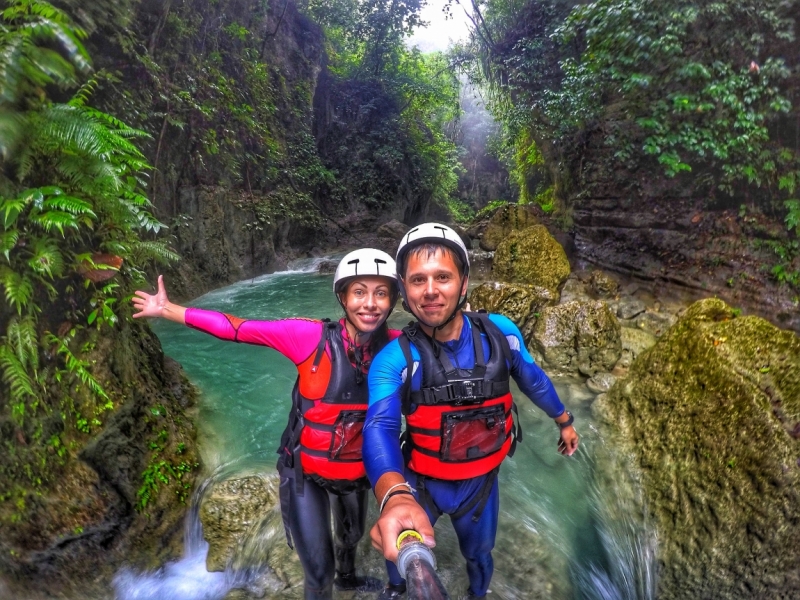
<point>458,409</point>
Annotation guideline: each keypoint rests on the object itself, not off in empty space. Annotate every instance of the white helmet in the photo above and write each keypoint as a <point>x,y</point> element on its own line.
<point>363,262</point>
<point>431,233</point>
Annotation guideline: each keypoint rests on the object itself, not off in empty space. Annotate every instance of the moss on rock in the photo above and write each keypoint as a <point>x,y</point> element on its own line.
<point>511,217</point>
<point>531,256</point>
<point>711,414</point>
<point>229,510</point>
<point>576,337</point>
<point>516,301</point>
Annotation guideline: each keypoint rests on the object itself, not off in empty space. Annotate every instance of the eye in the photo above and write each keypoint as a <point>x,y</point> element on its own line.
<point>381,293</point>
<point>358,292</point>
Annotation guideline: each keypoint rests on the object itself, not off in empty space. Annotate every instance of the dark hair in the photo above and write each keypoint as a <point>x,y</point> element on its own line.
<point>430,249</point>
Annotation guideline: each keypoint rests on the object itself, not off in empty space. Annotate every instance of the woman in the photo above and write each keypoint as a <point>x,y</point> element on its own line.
<point>320,451</point>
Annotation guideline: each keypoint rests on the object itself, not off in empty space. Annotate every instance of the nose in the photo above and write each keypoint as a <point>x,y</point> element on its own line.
<point>370,301</point>
<point>429,288</point>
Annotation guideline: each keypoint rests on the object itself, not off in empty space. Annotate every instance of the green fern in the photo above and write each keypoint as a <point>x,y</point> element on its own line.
<point>18,288</point>
<point>46,259</point>
<point>76,366</point>
<point>145,251</point>
<point>21,339</point>
<point>8,240</point>
<point>15,375</point>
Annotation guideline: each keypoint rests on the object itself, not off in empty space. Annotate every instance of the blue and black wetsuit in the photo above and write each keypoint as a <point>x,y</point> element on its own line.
<point>382,429</point>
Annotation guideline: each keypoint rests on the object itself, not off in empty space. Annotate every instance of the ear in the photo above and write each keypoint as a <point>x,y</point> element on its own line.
<point>465,286</point>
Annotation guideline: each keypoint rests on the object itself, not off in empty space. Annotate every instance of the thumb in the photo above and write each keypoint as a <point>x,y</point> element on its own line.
<point>161,290</point>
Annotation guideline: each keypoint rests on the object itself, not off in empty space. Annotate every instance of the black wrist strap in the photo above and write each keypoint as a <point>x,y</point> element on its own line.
<point>392,494</point>
<point>568,422</point>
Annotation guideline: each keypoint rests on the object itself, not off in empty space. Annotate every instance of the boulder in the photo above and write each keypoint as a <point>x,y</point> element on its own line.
<point>230,511</point>
<point>636,341</point>
<point>655,323</point>
<point>393,229</point>
<point>327,267</point>
<point>574,289</point>
<point>514,300</point>
<point>710,415</point>
<point>577,337</point>
<point>603,284</point>
<point>601,382</point>
<point>531,256</point>
<point>628,308</point>
<point>511,217</point>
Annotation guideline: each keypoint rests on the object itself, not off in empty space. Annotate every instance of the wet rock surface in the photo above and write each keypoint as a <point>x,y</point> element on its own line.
<point>75,529</point>
<point>708,413</point>
<point>629,307</point>
<point>603,284</point>
<point>578,337</point>
<point>230,510</point>
<point>508,218</point>
<point>531,256</point>
<point>516,301</point>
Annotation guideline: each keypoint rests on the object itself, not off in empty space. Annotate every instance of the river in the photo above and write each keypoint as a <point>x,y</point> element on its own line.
<point>559,536</point>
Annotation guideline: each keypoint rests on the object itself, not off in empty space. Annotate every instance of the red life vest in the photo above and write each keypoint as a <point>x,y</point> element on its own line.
<point>459,425</point>
<point>324,436</point>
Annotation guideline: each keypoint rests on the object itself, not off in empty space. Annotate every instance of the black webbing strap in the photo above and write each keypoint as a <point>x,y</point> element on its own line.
<point>284,495</point>
<point>460,391</point>
<point>321,347</point>
<point>479,370</point>
<point>424,497</point>
<point>479,500</point>
<point>405,390</point>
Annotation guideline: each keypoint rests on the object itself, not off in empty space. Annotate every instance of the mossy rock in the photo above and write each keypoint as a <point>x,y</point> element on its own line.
<point>531,256</point>
<point>511,217</point>
<point>516,301</point>
<point>577,337</point>
<point>711,414</point>
<point>603,284</point>
<point>231,510</point>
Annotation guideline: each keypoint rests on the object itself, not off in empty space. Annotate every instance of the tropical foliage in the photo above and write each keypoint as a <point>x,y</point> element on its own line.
<point>700,87</point>
<point>72,210</point>
<point>398,103</point>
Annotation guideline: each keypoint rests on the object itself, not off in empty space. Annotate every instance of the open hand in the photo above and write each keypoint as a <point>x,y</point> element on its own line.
<point>150,305</point>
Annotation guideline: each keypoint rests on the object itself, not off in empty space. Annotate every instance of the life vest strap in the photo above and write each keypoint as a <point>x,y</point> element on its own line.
<point>325,454</point>
<point>467,391</point>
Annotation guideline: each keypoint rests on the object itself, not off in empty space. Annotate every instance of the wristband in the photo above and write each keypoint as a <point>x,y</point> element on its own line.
<point>566,423</point>
<point>390,494</point>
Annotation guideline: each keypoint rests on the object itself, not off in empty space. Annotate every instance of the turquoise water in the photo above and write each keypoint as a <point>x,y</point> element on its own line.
<point>549,519</point>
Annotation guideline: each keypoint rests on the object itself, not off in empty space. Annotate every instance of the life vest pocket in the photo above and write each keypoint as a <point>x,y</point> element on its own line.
<point>347,436</point>
<point>469,435</point>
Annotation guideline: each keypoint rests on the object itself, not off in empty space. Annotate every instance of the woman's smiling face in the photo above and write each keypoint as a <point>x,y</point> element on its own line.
<point>367,302</point>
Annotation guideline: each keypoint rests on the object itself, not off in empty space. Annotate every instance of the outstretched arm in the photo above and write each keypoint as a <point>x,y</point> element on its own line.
<point>158,305</point>
<point>383,457</point>
<point>535,384</point>
<point>294,338</point>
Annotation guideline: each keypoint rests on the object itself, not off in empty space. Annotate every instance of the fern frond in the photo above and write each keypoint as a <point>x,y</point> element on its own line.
<point>47,258</point>
<point>22,339</point>
<point>55,218</point>
<point>8,240</point>
<point>81,97</point>
<point>76,366</point>
<point>16,376</point>
<point>144,251</point>
<point>70,204</point>
<point>11,208</point>
<point>18,288</point>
